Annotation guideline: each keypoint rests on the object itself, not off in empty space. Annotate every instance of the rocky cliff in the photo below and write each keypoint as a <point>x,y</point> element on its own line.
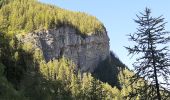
<point>85,51</point>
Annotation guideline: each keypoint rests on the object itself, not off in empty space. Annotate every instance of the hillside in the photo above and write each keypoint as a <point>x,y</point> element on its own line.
<point>29,15</point>
<point>25,72</point>
<point>48,53</point>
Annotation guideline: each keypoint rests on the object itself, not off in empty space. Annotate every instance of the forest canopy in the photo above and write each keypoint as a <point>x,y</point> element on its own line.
<point>22,16</point>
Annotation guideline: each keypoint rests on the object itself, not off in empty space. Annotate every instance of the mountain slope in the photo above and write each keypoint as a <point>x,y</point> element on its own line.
<point>31,69</point>
<point>22,16</point>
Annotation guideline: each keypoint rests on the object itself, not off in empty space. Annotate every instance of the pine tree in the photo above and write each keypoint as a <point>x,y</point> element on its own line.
<point>153,63</point>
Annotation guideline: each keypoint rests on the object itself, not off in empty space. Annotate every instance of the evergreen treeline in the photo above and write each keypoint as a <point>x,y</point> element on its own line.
<point>25,75</point>
<point>22,16</point>
<point>108,70</point>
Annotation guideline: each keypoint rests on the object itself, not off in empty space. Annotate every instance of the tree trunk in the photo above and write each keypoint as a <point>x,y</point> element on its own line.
<point>155,74</point>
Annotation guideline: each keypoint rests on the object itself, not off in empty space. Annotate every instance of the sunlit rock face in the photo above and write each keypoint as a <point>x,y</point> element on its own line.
<point>86,52</point>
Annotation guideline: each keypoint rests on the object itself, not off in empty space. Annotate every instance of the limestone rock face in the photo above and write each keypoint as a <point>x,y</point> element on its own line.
<point>86,52</point>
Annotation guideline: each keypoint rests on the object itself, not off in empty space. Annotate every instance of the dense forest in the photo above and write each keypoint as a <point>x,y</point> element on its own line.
<point>22,16</point>
<point>25,75</point>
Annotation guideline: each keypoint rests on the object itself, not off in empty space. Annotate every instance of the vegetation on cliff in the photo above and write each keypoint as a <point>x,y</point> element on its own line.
<point>23,16</point>
<point>25,75</point>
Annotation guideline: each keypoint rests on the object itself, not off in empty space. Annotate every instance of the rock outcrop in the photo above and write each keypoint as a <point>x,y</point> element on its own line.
<point>86,52</point>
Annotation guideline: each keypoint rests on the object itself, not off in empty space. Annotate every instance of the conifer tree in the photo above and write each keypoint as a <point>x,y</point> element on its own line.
<point>153,63</point>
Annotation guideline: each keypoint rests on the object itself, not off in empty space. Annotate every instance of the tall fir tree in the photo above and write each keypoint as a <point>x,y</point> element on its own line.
<point>153,63</point>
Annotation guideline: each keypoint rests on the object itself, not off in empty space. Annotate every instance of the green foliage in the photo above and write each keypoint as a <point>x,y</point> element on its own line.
<point>30,15</point>
<point>11,58</point>
<point>130,90</point>
<point>27,76</point>
<point>7,92</point>
<point>3,2</point>
<point>80,86</point>
<point>1,69</point>
<point>108,70</point>
<point>152,62</point>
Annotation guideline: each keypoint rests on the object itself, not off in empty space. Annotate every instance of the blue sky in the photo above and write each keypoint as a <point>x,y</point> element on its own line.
<point>117,16</point>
